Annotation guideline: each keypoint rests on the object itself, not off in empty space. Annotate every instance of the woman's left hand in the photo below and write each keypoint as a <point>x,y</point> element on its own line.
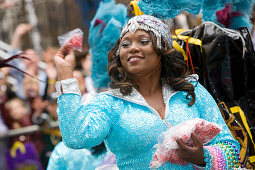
<point>194,155</point>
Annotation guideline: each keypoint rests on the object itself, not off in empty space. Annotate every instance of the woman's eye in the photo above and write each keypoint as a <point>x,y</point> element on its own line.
<point>125,44</point>
<point>145,42</point>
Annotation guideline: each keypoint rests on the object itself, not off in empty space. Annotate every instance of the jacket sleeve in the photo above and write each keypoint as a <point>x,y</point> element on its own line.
<point>223,151</point>
<point>80,126</point>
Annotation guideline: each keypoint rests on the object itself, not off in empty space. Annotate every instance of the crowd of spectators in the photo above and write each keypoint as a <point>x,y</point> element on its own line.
<point>30,99</point>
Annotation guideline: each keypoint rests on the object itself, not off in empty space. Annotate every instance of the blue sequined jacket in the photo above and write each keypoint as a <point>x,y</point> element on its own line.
<point>130,127</point>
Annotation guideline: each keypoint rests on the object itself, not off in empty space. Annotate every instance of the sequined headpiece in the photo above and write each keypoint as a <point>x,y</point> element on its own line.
<point>149,23</point>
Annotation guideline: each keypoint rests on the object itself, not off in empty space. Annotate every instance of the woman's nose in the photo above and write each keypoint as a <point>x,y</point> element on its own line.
<point>134,47</point>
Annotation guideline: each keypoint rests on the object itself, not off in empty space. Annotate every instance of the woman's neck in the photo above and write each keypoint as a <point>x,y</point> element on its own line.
<point>150,84</point>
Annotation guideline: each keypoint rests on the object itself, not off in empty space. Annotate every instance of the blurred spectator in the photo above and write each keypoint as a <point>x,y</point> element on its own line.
<point>31,87</point>
<point>52,106</point>
<point>48,55</point>
<point>29,66</point>
<point>86,96</point>
<point>18,112</point>
<point>21,116</point>
<point>36,103</point>
<point>44,112</point>
<point>79,76</point>
<point>3,131</point>
<point>84,63</point>
<point>48,58</point>
<point>5,93</point>
<point>51,78</point>
<point>3,127</point>
<point>6,4</point>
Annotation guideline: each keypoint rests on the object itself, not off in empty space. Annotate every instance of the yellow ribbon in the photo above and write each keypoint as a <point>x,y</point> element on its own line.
<point>177,46</point>
<point>137,11</point>
<point>191,40</point>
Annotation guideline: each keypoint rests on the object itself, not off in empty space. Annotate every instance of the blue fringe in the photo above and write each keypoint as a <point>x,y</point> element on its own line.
<point>103,37</point>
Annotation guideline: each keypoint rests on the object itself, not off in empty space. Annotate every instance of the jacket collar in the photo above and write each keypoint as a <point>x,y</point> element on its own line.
<point>137,98</point>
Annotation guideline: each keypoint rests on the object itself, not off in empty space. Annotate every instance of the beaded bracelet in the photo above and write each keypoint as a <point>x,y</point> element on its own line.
<point>231,154</point>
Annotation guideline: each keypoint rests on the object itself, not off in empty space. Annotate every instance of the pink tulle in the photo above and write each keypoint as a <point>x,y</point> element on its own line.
<point>166,148</point>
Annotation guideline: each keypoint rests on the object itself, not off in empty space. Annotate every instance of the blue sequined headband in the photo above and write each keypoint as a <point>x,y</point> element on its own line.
<point>149,23</point>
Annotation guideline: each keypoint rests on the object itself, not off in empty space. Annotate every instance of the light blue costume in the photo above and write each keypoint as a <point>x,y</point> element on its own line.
<point>105,29</point>
<point>129,126</point>
<point>171,8</point>
<point>65,158</point>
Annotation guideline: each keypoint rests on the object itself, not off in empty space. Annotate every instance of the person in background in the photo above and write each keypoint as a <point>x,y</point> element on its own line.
<point>29,66</point>
<point>3,142</point>
<point>17,112</point>
<point>20,117</point>
<point>86,95</point>
<point>83,64</point>
<point>48,59</point>
<point>86,64</point>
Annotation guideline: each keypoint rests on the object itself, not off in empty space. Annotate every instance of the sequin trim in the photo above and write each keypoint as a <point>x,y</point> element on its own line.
<point>137,98</point>
<point>148,23</point>
<point>68,86</point>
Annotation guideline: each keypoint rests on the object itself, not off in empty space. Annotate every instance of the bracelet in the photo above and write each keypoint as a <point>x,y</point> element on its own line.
<point>51,81</point>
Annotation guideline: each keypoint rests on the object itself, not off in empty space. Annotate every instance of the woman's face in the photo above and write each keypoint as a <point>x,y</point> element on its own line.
<point>137,55</point>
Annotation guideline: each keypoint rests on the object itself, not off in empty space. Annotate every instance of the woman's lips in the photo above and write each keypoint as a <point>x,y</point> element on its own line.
<point>135,58</point>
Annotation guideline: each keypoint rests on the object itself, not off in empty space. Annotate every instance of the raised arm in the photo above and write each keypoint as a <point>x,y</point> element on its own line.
<point>80,126</point>
<point>65,62</point>
<point>20,31</point>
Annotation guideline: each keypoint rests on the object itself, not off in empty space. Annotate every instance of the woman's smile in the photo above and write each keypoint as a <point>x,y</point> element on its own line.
<point>137,54</point>
<point>134,58</point>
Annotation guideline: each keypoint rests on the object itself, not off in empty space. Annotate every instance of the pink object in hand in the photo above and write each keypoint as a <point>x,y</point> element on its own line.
<point>74,37</point>
<point>166,148</point>
<point>76,41</point>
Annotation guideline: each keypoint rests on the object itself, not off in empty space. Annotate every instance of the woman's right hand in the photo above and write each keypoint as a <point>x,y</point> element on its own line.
<point>65,62</point>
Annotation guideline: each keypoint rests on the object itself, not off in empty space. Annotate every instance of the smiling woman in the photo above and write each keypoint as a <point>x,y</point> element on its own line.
<point>147,58</point>
<point>151,90</point>
<point>137,55</point>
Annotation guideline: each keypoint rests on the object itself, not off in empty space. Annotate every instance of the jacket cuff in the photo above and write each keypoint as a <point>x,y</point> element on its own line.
<point>67,86</point>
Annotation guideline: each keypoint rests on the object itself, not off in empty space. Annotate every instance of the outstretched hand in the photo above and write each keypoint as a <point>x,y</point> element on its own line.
<point>23,29</point>
<point>194,155</point>
<point>65,62</point>
<point>19,32</point>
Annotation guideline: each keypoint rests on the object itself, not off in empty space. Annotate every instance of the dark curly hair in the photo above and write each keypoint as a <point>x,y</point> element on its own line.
<point>173,71</point>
